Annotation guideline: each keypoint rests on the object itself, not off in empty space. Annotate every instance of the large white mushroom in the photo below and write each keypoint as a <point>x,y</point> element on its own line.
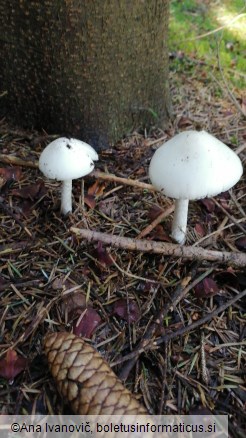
<point>65,159</point>
<point>192,165</point>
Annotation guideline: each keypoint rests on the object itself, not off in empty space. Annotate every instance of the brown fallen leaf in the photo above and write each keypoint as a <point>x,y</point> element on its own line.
<point>208,204</point>
<point>154,212</point>
<point>9,174</point>
<point>73,304</point>
<point>90,201</point>
<point>85,379</point>
<point>87,323</point>
<point>241,243</point>
<point>97,189</point>
<point>103,257</point>
<point>12,365</point>
<point>199,229</point>
<point>94,192</point>
<point>206,288</point>
<point>31,191</point>
<point>129,311</point>
<point>159,234</point>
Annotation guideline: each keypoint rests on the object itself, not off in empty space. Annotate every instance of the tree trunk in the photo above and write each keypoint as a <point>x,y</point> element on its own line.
<point>92,69</point>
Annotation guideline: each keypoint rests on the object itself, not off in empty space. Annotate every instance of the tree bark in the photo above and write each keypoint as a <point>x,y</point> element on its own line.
<point>91,69</point>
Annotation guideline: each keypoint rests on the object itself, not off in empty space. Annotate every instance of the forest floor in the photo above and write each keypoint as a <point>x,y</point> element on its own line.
<point>180,322</point>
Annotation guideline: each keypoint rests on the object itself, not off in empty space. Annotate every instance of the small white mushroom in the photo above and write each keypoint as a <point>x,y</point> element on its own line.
<point>193,165</point>
<point>65,159</point>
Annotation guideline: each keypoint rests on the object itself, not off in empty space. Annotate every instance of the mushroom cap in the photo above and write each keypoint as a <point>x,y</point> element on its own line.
<point>66,159</point>
<point>194,165</point>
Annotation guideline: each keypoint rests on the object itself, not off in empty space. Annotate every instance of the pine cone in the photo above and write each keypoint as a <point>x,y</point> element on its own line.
<point>85,379</point>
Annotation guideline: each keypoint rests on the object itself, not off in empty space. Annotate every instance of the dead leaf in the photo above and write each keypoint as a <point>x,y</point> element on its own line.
<point>89,321</point>
<point>154,212</point>
<point>159,234</point>
<point>199,229</point>
<point>127,311</point>
<point>12,365</point>
<point>32,191</point>
<point>62,283</point>
<point>208,204</point>
<point>90,201</point>
<point>102,255</point>
<point>9,174</point>
<point>206,288</point>
<point>241,243</point>
<point>96,189</point>
<point>73,304</point>
<point>94,192</point>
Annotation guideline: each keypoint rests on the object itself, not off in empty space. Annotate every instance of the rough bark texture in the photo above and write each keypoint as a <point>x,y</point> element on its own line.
<point>92,69</point>
<point>86,380</point>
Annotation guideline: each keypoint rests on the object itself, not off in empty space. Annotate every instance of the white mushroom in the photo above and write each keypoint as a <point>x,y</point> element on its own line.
<point>193,165</point>
<point>65,159</point>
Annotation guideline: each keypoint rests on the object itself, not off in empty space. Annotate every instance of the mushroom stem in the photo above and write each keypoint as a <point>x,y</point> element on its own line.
<point>66,196</point>
<point>180,220</point>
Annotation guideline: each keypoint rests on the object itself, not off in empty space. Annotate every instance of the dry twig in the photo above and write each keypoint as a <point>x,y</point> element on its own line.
<point>16,161</point>
<point>150,334</point>
<point>183,330</point>
<point>11,159</point>
<point>155,222</point>
<point>171,249</point>
<point>201,321</point>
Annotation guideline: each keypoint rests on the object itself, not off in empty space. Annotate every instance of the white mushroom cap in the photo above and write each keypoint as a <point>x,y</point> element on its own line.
<point>67,159</point>
<point>194,165</point>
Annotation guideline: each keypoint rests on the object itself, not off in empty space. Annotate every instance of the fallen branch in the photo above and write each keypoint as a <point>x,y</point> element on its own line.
<point>126,181</point>
<point>11,159</point>
<point>171,249</point>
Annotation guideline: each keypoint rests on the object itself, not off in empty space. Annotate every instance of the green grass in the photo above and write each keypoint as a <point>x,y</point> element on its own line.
<point>192,18</point>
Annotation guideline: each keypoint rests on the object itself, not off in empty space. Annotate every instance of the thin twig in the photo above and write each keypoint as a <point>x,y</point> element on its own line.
<point>214,233</point>
<point>184,330</point>
<point>232,219</point>
<point>149,336</point>
<point>238,205</point>
<point>9,212</point>
<point>129,274</point>
<point>174,250</point>
<point>201,321</point>
<point>12,159</point>
<point>126,181</point>
<point>156,222</point>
